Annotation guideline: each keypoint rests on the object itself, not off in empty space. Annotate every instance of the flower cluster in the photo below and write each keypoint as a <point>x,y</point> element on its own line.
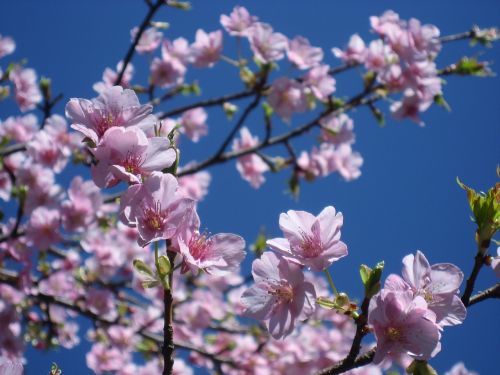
<point>409,313</point>
<point>402,59</point>
<point>280,295</point>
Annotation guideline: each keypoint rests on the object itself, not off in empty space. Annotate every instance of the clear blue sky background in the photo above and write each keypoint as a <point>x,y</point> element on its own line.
<point>406,198</point>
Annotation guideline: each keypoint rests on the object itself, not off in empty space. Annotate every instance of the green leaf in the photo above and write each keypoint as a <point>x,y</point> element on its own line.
<point>247,76</point>
<point>326,303</point>
<point>369,79</point>
<point>364,272</point>
<point>229,109</point>
<point>372,285</point>
<point>164,266</point>
<point>377,113</point>
<point>439,100</point>
<point>142,268</point>
<point>420,368</point>
<point>485,208</point>
<point>470,66</point>
<point>182,5</point>
<point>294,185</point>
<point>259,246</point>
<point>147,284</point>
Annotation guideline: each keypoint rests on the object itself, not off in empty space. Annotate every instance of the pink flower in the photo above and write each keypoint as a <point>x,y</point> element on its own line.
<point>239,22</point>
<point>378,56</point>
<point>403,324</point>
<point>45,149</point>
<point>251,166</point>
<point>346,162</point>
<point>178,49</point>
<point>60,284</point>
<point>386,23</point>
<point>43,227</point>
<point>267,45</point>
<point>109,77</point>
<point>195,186</point>
<point>102,359</point>
<point>354,53</point>
<point>26,89</point>
<point>437,284</point>
<point>315,164</point>
<point>410,107</point>
<point>7,45</point>
<point>79,211</point>
<point>193,123</point>
<point>156,207</point>
<point>286,97</point>
<point>20,129</point>
<point>10,367</point>
<point>113,107</point>
<point>125,154</point>
<point>167,72</point>
<point>280,295</point>
<point>149,41</point>
<point>217,255</point>
<point>302,54</point>
<point>101,302</point>
<point>337,129</point>
<point>459,369</point>
<point>321,84</point>
<point>207,48</point>
<point>311,241</point>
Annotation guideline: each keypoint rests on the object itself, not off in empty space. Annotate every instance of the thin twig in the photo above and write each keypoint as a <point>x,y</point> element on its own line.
<point>130,53</point>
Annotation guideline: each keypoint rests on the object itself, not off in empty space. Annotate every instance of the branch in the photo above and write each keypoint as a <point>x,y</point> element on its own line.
<point>168,332</point>
<point>358,100</point>
<point>130,53</point>
<point>343,366</point>
<point>493,292</point>
<point>208,103</point>
<point>479,260</point>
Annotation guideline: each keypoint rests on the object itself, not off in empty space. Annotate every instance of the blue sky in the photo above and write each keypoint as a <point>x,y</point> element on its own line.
<point>406,198</point>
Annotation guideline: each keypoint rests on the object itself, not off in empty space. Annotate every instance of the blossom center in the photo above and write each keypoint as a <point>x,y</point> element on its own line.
<point>311,246</point>
<point>394,333</point>
<point>198,246</point>
<point>283,291</point>
<point>132,163</point>
<point>154,217</point>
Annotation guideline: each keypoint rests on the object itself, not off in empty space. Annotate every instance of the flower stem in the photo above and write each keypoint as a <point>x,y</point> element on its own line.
<point>330,281</point>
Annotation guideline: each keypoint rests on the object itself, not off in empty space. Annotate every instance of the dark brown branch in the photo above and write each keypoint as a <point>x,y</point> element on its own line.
<point>343,366</point>
<point>479,260</point>
<point>130,53</point>
<point>168,317</point>
<point>208,103</point>
<point>358,100</point>
<point>493,292</point>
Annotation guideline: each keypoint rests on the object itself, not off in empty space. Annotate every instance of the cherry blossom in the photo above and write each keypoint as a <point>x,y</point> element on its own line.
<point>156,207</point>
<point>26,89</point>
<point>149,41</point>
<point>115,106</point>
<point>280,295</point>
<point>125,154</point>
<point>7,46</point>
<point>403,324</point>
<point>302,54</point>
<point>251,166</point>
<point>239,22</point>
<point>267,45</point>
<point>287,97</point>
<point>437,284</point>
<point>207,48</point>
<point>311,241</point>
